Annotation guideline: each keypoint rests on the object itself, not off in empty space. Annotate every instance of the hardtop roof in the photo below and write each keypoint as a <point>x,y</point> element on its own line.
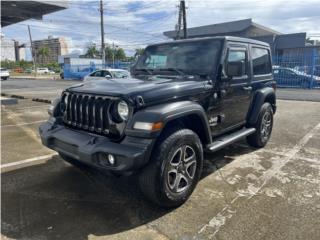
<point>225,38</point>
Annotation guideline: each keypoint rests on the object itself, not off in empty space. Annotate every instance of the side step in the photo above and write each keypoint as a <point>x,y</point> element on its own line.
<point>229,139</point>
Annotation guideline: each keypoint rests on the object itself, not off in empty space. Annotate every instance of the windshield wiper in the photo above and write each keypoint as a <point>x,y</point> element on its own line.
<point>179,71</point>
<point>148,70</point>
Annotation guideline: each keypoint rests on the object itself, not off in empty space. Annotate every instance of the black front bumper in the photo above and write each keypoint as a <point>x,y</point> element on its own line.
<point>131,153</point>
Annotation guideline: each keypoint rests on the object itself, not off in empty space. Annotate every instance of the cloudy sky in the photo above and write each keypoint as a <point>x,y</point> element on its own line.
<point>131,24</point>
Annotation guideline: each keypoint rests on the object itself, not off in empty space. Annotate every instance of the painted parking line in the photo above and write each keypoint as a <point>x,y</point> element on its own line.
<point>23,124</point>
<point>213,226</point>
<point>27,162</point>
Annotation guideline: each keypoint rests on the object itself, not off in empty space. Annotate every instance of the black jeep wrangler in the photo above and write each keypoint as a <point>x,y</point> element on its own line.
<point>185,97</point>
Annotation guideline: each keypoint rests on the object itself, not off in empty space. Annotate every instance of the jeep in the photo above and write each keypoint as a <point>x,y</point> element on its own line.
<point>184,98</point>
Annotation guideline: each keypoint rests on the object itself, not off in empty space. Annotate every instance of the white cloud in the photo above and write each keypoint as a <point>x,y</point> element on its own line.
<point>131,24</point>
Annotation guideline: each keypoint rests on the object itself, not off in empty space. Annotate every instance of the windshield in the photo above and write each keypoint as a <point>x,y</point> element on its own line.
<point>194,57</point>
<point>120,74</point>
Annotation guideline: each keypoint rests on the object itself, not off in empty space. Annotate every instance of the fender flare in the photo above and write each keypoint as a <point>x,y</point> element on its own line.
<point>166,113</point>
<point>259,99</point>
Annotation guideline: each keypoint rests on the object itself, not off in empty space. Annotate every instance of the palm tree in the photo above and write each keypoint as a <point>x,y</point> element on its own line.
<point>92,51</point>
<point>43,53</point>
<point>139,52</point>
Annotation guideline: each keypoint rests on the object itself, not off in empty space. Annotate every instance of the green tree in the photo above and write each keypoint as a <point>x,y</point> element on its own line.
<point>43,53</point>
<point>120,54</point>
<point>92,51</point>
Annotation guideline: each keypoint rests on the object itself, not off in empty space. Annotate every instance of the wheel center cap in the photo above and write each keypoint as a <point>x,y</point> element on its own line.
<point>180,168</point>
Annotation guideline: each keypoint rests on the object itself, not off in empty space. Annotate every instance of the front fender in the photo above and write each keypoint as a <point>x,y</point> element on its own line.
<point>166,113</point>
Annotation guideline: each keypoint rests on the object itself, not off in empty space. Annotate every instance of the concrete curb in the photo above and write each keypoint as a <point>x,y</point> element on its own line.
<point>22,97</point>
<point>41,100</point>
<point>13,96</point>
<point>35,78</point>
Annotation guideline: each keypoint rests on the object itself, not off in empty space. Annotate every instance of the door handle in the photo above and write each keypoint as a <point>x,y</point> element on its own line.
<point>247,88</point>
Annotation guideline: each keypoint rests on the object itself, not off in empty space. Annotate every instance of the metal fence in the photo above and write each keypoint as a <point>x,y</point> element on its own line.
<point>72,72</point>
<point>292,71</point>
<point>297,71</point>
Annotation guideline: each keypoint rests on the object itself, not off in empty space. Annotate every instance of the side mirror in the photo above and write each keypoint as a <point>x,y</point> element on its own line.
<point>235,69</point>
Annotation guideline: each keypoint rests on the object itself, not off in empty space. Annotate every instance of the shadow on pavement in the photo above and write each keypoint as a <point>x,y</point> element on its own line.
<point>58,201</point>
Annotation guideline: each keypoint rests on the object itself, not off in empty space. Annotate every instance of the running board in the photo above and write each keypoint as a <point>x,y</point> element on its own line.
<point>221,142</point>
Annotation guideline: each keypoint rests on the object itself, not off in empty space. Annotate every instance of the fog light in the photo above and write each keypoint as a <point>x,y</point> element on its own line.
<point>111,159</point>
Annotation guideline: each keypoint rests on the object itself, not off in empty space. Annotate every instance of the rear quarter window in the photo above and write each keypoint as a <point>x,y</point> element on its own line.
<point>261,62</point>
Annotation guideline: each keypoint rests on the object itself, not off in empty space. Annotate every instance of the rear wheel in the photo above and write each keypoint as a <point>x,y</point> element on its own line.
<point>174,169</point>
<point>263,126</point>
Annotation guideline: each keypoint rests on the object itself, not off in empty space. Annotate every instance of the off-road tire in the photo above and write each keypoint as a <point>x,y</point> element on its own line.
<point>154,178</point>
<point>258,139</point>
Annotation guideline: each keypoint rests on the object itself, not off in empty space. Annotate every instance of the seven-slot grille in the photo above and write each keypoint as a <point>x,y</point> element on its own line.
<point>87,112</point>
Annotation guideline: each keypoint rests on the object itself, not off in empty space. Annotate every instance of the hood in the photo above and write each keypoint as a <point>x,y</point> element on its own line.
<point>151,90</point>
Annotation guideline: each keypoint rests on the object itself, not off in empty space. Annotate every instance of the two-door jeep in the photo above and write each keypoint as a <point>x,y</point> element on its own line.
<point>185,97</point>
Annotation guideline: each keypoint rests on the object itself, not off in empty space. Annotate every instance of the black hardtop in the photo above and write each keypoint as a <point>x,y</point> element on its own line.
<point>223,38</point>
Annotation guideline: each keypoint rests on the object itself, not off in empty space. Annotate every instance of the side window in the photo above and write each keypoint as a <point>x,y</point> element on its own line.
<point>105,73</point>
<point>261,61</point>
<point>98,74</point>
<point>236,63</point>
<point>93,74</point>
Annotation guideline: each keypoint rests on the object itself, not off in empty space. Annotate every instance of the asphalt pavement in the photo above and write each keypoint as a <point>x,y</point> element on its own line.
<point>244,193</point>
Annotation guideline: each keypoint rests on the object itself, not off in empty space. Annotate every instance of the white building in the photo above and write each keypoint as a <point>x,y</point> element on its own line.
<point>7,49</point>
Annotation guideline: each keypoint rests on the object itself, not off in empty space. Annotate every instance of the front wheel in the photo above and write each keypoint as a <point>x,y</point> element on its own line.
<point>174,169</point>
<point>263,126</point>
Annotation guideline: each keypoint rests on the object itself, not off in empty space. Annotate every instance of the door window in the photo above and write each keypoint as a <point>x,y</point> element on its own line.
<point>96,74</point>
<point>261,61</point>
<point>236,63</point>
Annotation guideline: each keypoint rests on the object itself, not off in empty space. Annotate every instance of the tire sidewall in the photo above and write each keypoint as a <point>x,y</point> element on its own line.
<point>177,140</point>
<point>266,107</point>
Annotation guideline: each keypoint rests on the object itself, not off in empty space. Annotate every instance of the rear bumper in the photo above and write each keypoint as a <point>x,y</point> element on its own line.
<point>130,154</point>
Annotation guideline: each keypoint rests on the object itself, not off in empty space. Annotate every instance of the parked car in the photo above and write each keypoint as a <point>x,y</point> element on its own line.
<point>290,77</point>
<point>42,70</point>
<point>185,97</point>
<point>4,73</point>
<point>107,73</point>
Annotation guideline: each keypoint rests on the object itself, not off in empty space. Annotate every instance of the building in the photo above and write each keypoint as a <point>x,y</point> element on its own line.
<point>18,11</point>
<point>48,50</point>
<point>11,50</point>
<point>281,44</point>
<point>7,49</point>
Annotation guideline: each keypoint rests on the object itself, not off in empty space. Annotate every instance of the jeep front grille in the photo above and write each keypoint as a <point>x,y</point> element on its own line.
<point>86,112</point>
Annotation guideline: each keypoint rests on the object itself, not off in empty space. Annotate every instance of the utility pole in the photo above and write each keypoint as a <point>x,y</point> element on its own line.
<point>103,51</point>
<point>32,52</point>
<point>112,54</point>
<point>182,18</point>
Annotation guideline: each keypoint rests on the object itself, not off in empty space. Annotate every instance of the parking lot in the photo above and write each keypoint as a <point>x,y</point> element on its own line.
<point>245,193</point>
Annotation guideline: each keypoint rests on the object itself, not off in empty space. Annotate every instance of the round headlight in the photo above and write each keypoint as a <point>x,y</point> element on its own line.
<point>123,110</point>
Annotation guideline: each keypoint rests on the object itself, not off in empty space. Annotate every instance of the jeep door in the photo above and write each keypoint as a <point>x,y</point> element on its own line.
<point>234,91</point>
